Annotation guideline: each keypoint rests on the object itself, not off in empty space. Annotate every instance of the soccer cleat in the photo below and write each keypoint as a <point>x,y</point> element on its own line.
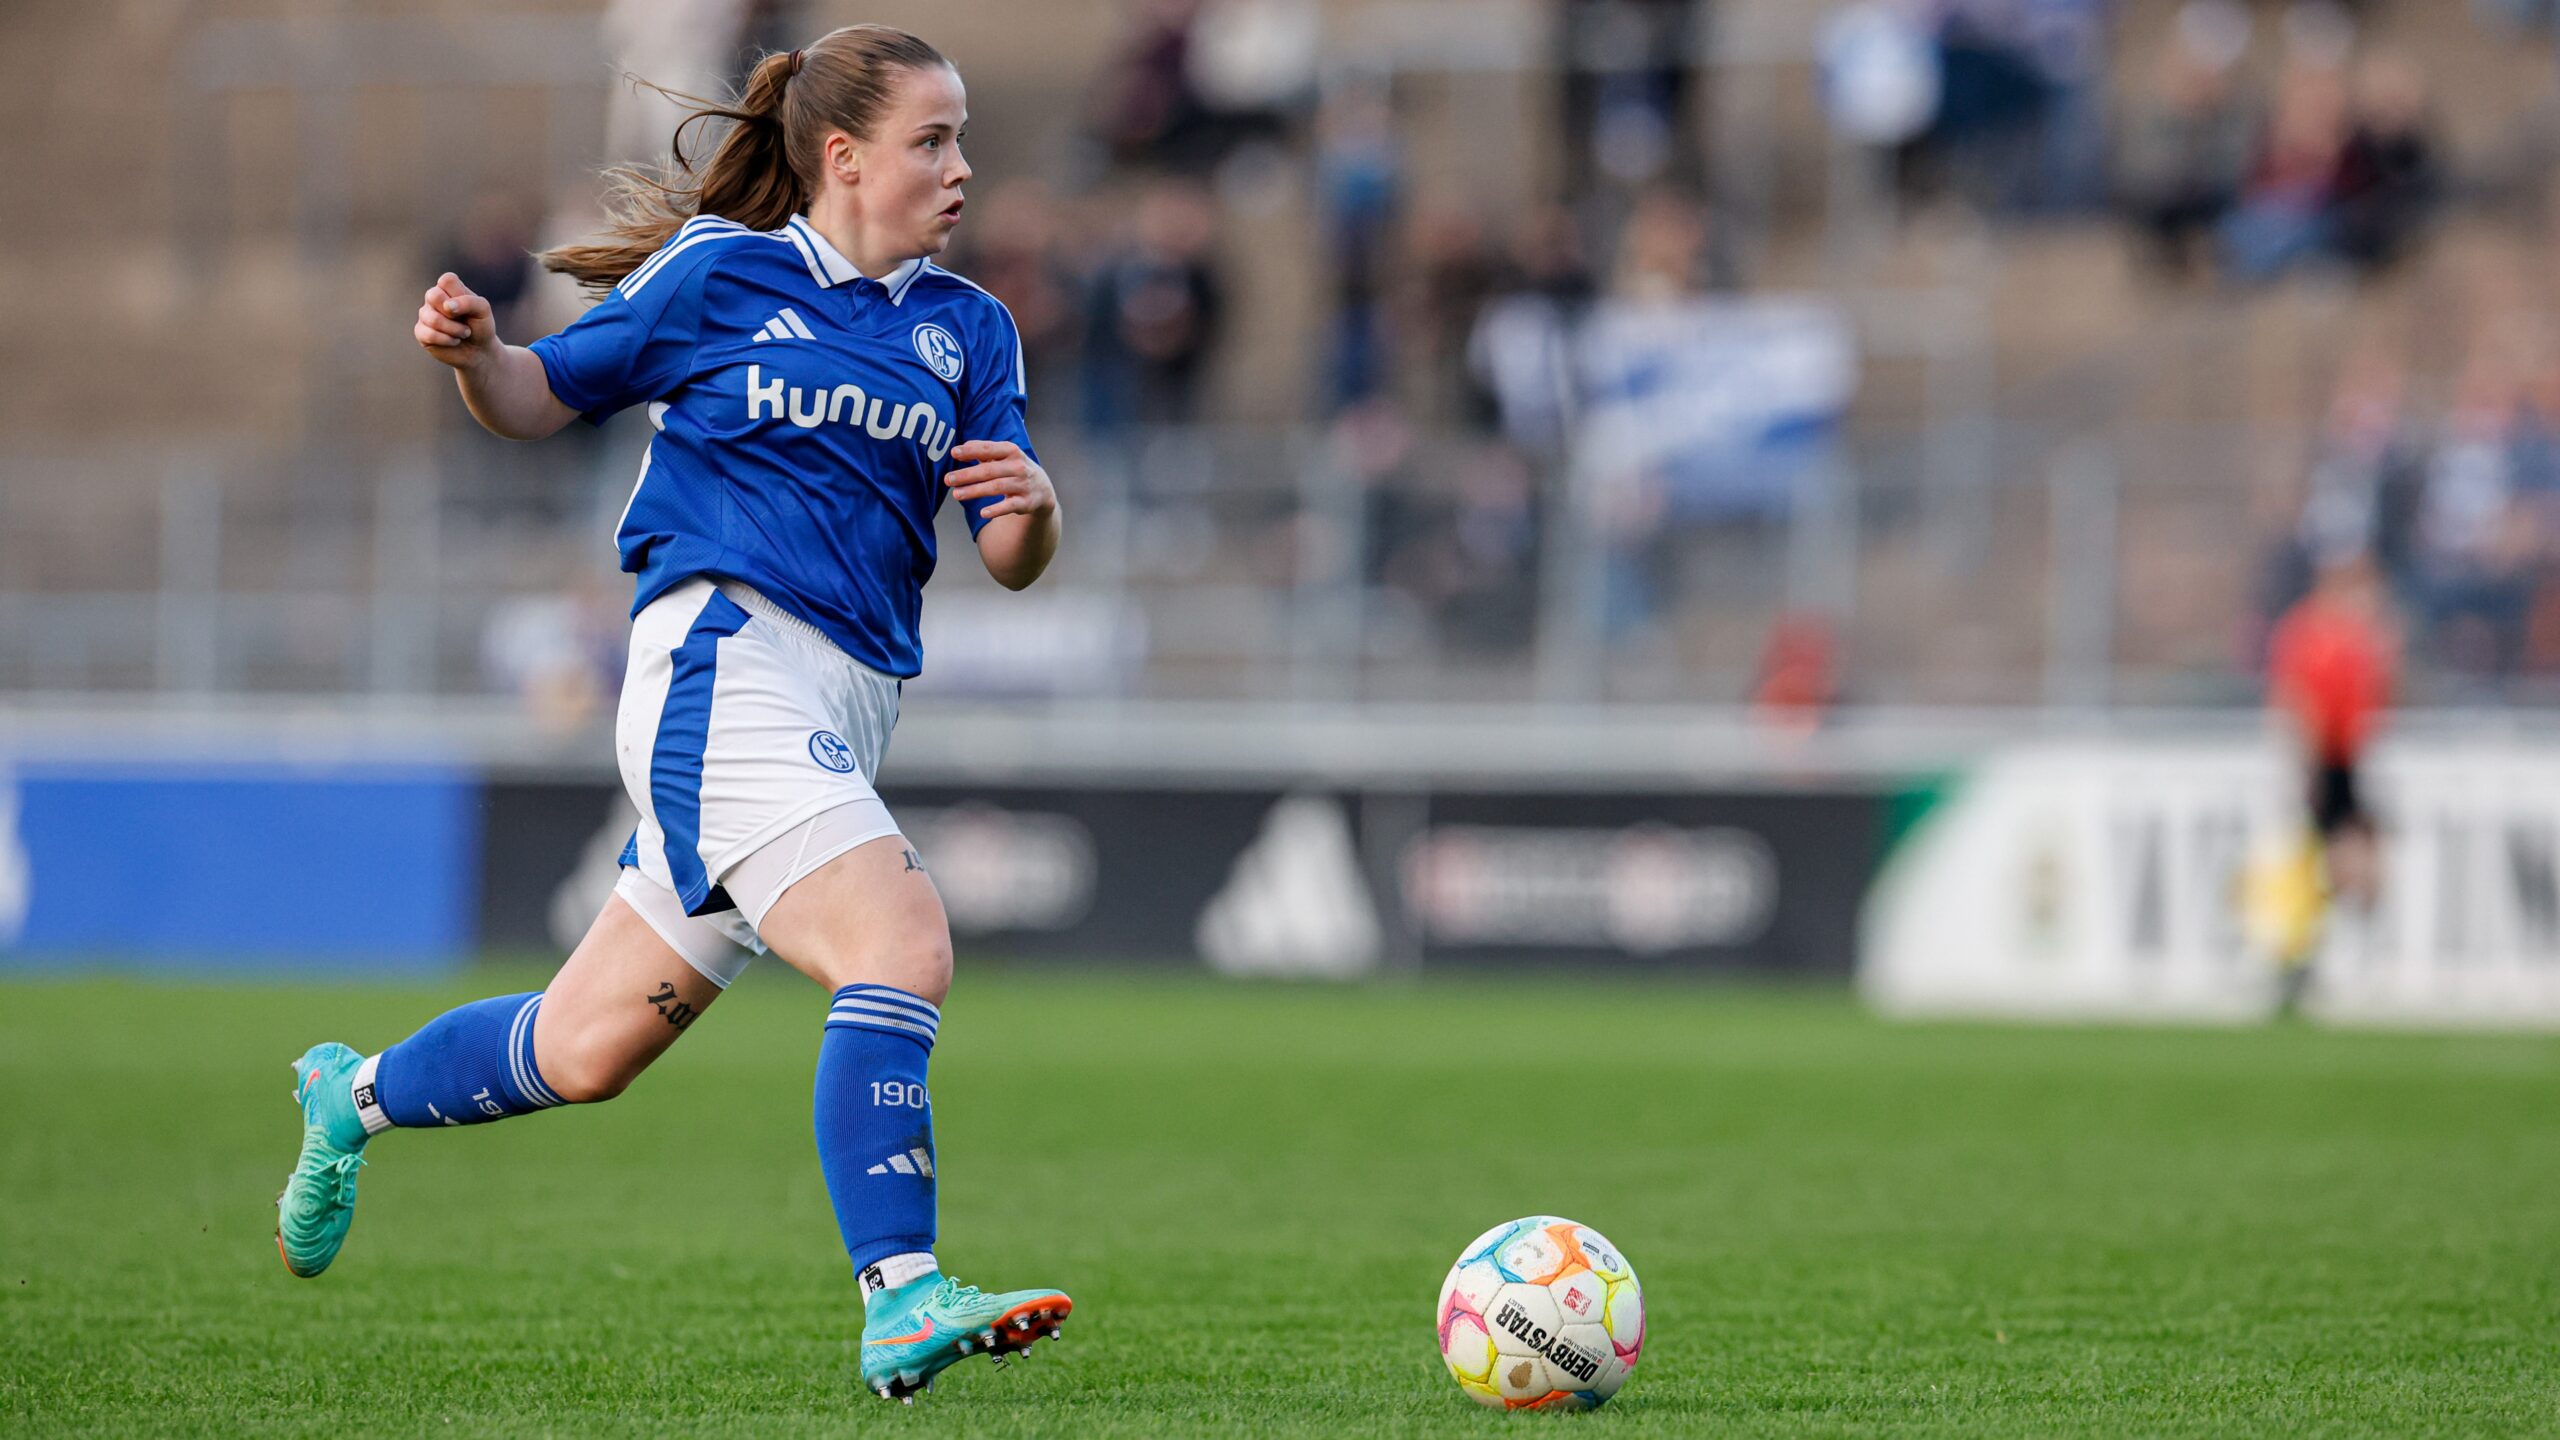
<point>929,1325</point>
<point>319,1199</point>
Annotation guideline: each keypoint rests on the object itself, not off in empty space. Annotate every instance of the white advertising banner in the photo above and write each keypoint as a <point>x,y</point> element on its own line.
<point>2106,881</point>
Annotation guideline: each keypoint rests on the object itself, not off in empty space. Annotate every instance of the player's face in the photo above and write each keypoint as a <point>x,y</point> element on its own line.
<point>913,172</point>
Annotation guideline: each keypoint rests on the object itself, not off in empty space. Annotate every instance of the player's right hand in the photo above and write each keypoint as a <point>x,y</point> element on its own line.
<point>454,324</point>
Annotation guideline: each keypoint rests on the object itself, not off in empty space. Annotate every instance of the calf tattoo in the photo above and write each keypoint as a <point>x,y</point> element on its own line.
<point>677,1012</point>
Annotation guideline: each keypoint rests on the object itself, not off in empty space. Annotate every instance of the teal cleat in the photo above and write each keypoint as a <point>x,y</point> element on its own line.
<point>319,1199</point>
<point>928,1325</point>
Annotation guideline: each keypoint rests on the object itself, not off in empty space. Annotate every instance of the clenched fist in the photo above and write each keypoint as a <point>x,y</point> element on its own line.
<point>455,325</point>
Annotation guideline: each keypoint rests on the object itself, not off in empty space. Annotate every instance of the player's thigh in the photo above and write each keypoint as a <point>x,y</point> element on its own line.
<point>870,915</point>
<point>623,997</point>
<point>730,735</point>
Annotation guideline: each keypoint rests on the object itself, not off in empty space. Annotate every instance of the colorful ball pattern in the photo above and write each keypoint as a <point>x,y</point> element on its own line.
<point>1541,1314</point>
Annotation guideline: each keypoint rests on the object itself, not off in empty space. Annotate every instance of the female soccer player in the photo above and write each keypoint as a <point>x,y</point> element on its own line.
<point>818,386</point>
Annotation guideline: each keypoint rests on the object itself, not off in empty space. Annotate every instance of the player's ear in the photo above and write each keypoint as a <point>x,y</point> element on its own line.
<point>842,157</point>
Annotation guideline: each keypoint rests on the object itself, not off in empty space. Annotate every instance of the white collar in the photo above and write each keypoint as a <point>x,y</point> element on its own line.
<point>832,268</point>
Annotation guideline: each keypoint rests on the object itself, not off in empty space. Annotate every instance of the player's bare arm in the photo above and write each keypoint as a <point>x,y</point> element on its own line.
<point>503,385</point>
<point>1021,533</point>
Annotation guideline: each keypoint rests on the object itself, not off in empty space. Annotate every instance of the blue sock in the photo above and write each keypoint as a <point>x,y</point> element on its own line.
<point>875,1122</point>
<point>468,1066</point>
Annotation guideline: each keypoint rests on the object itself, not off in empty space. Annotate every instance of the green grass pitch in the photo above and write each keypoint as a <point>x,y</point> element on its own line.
<point>1843,1227</point>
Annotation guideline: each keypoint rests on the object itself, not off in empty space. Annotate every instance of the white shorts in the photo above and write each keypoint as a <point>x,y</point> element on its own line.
<point>747,742</point>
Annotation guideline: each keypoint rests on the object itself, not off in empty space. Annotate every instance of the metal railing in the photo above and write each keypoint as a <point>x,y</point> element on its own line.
<point>1202,564</point>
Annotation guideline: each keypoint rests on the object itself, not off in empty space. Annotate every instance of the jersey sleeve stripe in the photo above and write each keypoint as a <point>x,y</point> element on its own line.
<point>641,277</point>
<point>698,225</point>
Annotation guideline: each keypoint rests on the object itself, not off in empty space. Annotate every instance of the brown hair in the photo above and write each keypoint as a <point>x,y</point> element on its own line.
<point>766,166</point>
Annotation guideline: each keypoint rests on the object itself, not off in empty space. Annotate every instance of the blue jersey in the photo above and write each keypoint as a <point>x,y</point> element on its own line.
<point>805,417</point>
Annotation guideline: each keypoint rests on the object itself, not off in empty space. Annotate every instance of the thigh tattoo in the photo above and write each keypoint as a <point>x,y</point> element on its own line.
<point>677,1012</point>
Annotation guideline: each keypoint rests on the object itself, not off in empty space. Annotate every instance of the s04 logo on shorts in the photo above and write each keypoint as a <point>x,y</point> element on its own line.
<point>829,750</point>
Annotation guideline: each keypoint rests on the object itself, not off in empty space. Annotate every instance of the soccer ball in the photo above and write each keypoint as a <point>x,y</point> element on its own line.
<point>1541,1314</point>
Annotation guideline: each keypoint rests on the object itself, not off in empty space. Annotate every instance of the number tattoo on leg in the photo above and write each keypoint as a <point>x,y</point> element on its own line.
<point>677,1012</point>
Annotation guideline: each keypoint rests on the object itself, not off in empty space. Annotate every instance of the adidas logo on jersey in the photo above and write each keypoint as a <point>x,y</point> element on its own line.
<point>785,326</point>
<point>846,404</point>
<point>918,1161</point>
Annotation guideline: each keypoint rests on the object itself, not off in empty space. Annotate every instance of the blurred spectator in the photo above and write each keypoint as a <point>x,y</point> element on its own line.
<point>1518,347</point>
<point>1626,85</point>
<point>1550,259</point>
<point>1495,536</point>
<point>493,253</point>
<point>2537,447</point>
<point>2365,481</point>
<point>2283,216</point>
<point>2068,42</point>
<point>2366,470</point>
<point>1196,77</point>
<point>1014,250</point>
<point>2537,482</point>
<point>2187,143</point>
<point>2389,177</point>
<point>1402,526</point>
<point>1993,96</point>
<point>1360,175</point>
<point>1455,274</point>
<point>1450,534</point>
<point>2344,173</point>
<point>1145,109</point>
<point>1152,314</point>
<point>1668,250</point>
<point>2476,538</point>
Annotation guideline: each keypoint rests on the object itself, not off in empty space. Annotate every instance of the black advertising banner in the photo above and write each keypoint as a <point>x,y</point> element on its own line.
<point>1117,874</point>
<point>1309,881</point>
<point>547,860</point>
<point>1763,881</point>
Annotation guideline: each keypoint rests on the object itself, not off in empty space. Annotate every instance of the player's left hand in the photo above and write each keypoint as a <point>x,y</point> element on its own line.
<point>1001,470</point>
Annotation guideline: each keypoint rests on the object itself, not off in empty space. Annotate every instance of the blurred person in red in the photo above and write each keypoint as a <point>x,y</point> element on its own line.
<point>1799,676</point>
<point>2332,666</point>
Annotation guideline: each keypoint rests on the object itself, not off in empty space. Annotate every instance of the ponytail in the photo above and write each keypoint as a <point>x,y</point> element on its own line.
<point>765,168</point>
